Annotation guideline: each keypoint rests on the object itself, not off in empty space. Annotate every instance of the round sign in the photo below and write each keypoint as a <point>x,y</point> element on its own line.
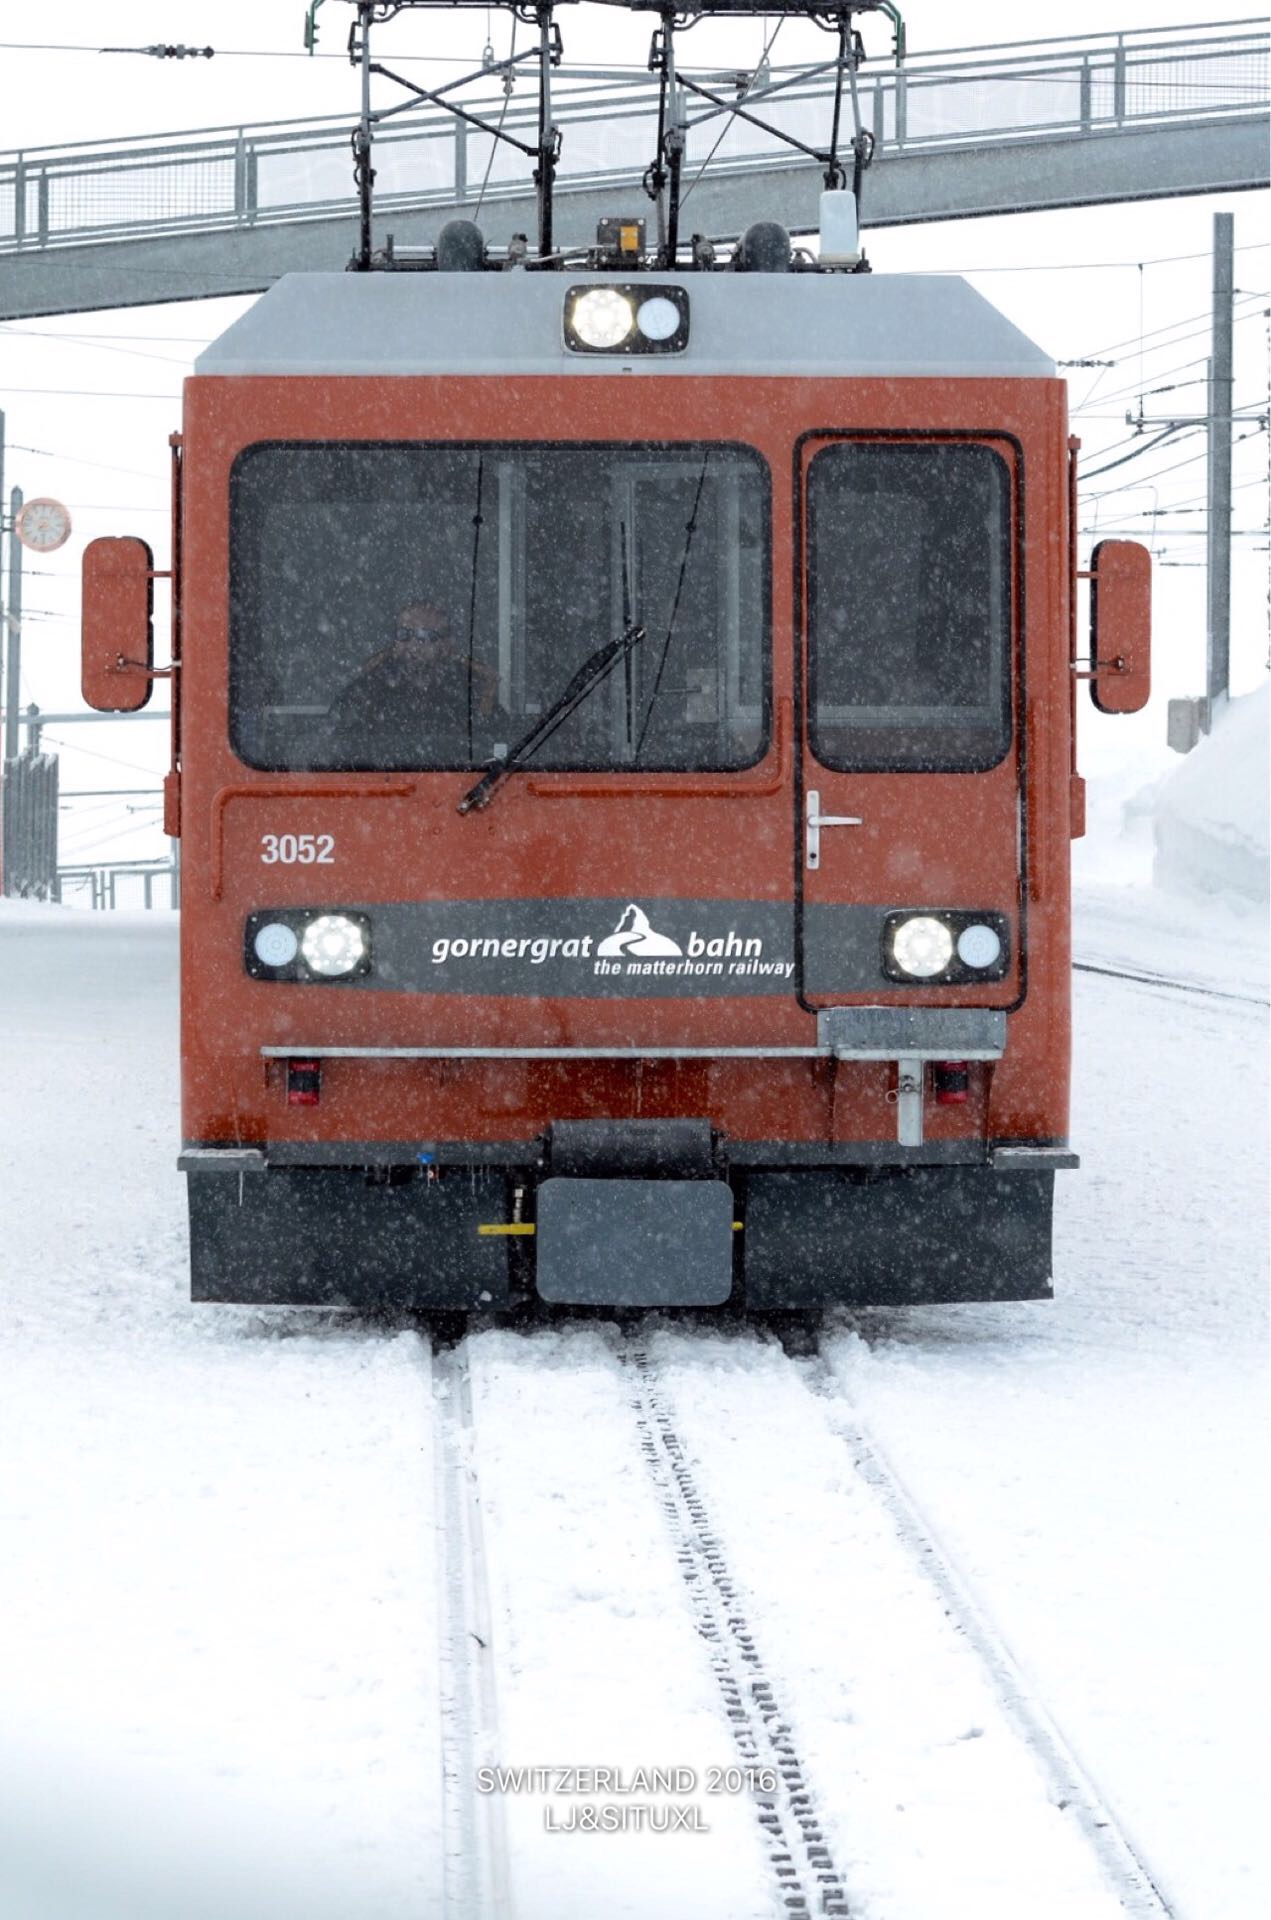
<point>43,525</point>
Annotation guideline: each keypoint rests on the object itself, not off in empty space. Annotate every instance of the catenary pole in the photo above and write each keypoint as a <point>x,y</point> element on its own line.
<point>1218,570</point>
<point>13,631</point>
<point>3,630</point>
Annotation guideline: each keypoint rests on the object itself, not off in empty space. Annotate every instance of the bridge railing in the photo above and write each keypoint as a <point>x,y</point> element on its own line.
<point>223,177</point>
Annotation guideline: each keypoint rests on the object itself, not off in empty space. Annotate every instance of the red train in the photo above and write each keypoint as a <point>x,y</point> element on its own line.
<point>623,754</point>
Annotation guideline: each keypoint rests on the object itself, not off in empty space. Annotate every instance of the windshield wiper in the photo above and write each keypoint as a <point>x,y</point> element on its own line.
<point>593,670</point>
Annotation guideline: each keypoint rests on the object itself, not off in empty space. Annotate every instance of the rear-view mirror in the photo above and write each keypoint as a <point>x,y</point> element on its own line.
<point>1120,626</point>
<point>117,625</point>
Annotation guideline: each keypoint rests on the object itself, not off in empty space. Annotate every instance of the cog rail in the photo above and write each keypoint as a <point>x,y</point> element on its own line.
<point>808,1881</point>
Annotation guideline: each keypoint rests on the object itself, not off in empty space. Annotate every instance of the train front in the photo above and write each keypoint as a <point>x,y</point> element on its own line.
<point>625,784</point>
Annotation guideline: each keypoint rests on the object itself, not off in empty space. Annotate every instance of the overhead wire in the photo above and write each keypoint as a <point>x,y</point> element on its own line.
<point>95,346</point>
<point>80,848</point>
<point>1163,346</point>
<point>95,753</point>
<point>93,393</point>
<point>1140,448</point>
<point>78,460</point>
<point>1160,472</point>
<point>1206,314</point>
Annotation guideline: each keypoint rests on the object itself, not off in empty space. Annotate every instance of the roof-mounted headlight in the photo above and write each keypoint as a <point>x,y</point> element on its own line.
<point>601,319</point>
<point>626,319</point>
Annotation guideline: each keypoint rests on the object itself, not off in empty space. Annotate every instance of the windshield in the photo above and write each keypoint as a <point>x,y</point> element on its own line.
<point>397,607</point>
<point>909,606</point>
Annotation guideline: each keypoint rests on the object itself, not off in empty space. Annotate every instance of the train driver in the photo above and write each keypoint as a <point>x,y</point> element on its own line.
<point>416,702</point>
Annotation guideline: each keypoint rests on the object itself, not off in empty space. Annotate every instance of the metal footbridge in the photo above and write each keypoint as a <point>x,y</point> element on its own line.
<point>998,129</point>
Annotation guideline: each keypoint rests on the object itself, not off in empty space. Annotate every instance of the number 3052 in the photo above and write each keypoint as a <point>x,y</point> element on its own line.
<point>297,849</point>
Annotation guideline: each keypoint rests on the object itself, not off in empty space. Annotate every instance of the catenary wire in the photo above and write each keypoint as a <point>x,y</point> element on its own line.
<point>1159,474</point>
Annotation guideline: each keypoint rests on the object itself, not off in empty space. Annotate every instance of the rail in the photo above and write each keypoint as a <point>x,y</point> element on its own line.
<point>294,170</point>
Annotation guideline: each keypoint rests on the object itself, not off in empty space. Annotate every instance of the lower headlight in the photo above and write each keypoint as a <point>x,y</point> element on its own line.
<point>275,944</point>
<point>922,947</point>
<point>979,945</point>
<point>333,944</point>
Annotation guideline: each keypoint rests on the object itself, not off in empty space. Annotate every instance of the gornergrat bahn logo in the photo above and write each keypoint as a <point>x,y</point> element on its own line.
<point>635,948</point>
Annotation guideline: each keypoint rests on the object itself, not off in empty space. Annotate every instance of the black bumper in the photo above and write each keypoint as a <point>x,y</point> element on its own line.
<point>439,1239</point>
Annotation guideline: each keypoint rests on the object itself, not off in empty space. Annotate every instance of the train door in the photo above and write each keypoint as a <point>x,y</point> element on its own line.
<point>910,847</point>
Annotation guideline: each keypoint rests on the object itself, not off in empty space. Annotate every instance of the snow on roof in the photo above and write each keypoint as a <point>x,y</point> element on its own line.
<point>509,323</point>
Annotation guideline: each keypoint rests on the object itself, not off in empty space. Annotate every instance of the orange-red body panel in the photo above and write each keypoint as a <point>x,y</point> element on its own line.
<point>929,838</point>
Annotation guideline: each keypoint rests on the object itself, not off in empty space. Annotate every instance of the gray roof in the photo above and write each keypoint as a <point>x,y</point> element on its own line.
<point>510,323</point>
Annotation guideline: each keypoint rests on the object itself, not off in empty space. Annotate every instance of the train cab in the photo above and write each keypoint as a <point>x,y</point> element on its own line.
<point>625,774</point>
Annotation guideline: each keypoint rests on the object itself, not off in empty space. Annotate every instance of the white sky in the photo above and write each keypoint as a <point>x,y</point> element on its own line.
<point>98,393</point>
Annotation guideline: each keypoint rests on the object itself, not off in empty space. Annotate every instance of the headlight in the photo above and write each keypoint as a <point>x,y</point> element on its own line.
<point>922,946</point>
<point>628,318</point>
<point>602,317</point>
<point>657,318</point>
<point>307,945</point>
<point>948,946</point>
<point>333,944</point>
<point>979,945</point>
<point>276,944</point>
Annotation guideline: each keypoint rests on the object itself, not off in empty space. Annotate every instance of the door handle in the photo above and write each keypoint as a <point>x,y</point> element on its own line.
<point>816,820</point>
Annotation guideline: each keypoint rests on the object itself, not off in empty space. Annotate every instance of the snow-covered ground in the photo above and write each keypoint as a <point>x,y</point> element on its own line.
<point>1211,815</point>
<point>219,1607</point>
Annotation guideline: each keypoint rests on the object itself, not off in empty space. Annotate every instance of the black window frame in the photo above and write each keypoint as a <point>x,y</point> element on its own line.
<point>825,439</point>
<point>754,457</point>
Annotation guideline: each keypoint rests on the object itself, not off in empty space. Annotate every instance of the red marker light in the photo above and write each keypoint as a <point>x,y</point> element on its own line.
<point>951,1079</point>
<point>304,1083</point>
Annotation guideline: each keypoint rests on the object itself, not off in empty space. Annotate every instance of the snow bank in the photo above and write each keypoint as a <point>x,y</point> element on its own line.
<point>1211,815</point>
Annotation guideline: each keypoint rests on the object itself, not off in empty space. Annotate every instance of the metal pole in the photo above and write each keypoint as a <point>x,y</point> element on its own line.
<point>364,170</point>
<point>545,172</point>
<point>1218,551</point>
<point>3,630</point>
<point>13,664</point>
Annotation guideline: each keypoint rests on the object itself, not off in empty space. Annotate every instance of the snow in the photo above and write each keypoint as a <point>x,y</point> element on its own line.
<point>1097,1467</point>
<point>934,1800</point>
<point>601,1664</point>
<point>220,1605</point>
<point>1212,825</point>
<point>215,1527</point>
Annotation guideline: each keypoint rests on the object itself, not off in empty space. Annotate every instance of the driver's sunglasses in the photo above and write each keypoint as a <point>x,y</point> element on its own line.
<point>423,633</point>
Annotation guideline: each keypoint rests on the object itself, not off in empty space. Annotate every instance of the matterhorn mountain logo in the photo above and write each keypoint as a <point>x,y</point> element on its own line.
<point>633,935</point>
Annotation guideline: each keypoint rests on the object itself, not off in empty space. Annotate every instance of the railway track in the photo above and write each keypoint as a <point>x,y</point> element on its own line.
<point>1142,979</point>
<point>807,1878</point>
<point>476,1882</point>
<point>808,1881</point>
<point>1071,1787</point>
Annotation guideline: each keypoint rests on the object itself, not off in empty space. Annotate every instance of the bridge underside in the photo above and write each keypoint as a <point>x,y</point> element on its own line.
<point>902,189</point>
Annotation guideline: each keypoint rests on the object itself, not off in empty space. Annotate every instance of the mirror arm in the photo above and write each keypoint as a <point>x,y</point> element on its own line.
<point>1116,665</point>
<point>1096,668</point>
<point>124,665</point>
